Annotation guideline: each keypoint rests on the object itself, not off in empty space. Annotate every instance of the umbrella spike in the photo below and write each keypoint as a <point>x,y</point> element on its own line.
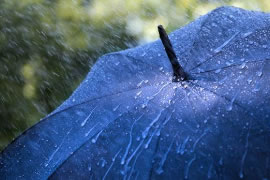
<point>178,71</point>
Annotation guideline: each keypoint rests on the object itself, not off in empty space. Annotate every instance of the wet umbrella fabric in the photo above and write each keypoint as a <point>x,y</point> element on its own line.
<point>128,120</point>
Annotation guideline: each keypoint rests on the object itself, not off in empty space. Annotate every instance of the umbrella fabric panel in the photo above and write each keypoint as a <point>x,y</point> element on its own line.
<point>242,81</point>
<point>178,145</point>
<point>250,48</point>
<point>221,28</point>
<point>128,117</point>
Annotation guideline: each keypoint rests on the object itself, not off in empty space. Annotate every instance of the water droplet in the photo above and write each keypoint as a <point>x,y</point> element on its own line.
<point>241,175</point>
<point>256,89</point>
<point>246,34</point>
<point>251,42</point>
<point>159,171</point>
<point>217,71</point>
<point>158,133</point>
<point>243,65</point>
<point>139,84</point>
<point>89,168</point>
<point>249,81</point>
<point>143,54</point>
<point>220,162</point>
<point>229,108</point>
<point>145,133</point>
<point>116,107</point>
<point>103,162</point>
<point>94,140</point>
<point>138,93</point>
<point>259,73</point>
<point>214,24</point>
<point>217,50</point>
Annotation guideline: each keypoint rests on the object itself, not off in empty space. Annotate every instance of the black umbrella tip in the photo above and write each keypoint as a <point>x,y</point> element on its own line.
<point>162,32</point>
<point>160,27</point>
<point>178,71</point>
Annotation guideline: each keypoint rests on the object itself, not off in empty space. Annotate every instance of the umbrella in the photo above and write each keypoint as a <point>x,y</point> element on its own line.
<point>197,110</point>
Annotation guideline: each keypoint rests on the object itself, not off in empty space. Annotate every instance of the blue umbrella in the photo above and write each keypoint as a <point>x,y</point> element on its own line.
<point>200,109</point>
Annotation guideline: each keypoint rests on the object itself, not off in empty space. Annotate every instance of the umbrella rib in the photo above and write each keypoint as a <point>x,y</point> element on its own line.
<point>233,65</point>
<point>143,61</point>
<point>206,60</point>
<point>67,108</point>
<point>227,47</point>
<point>197,37</point>
<point>178,71</point>
<point>129,56</point>
<point>227,99</point>
<point>150,65</point>
<point>212,55</point>
<point>87,101</point>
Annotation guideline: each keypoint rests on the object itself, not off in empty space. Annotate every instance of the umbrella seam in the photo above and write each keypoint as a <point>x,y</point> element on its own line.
<point>234,65</point>
<point>227,47</point>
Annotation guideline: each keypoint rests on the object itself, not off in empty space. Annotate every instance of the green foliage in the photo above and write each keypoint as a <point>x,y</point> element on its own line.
<point>47,47</point>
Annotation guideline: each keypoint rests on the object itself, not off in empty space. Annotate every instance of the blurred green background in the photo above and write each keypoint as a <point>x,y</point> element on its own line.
<point>48,46</point>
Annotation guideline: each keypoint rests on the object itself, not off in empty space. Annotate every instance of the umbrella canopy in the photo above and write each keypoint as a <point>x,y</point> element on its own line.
<point>130,119</point>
